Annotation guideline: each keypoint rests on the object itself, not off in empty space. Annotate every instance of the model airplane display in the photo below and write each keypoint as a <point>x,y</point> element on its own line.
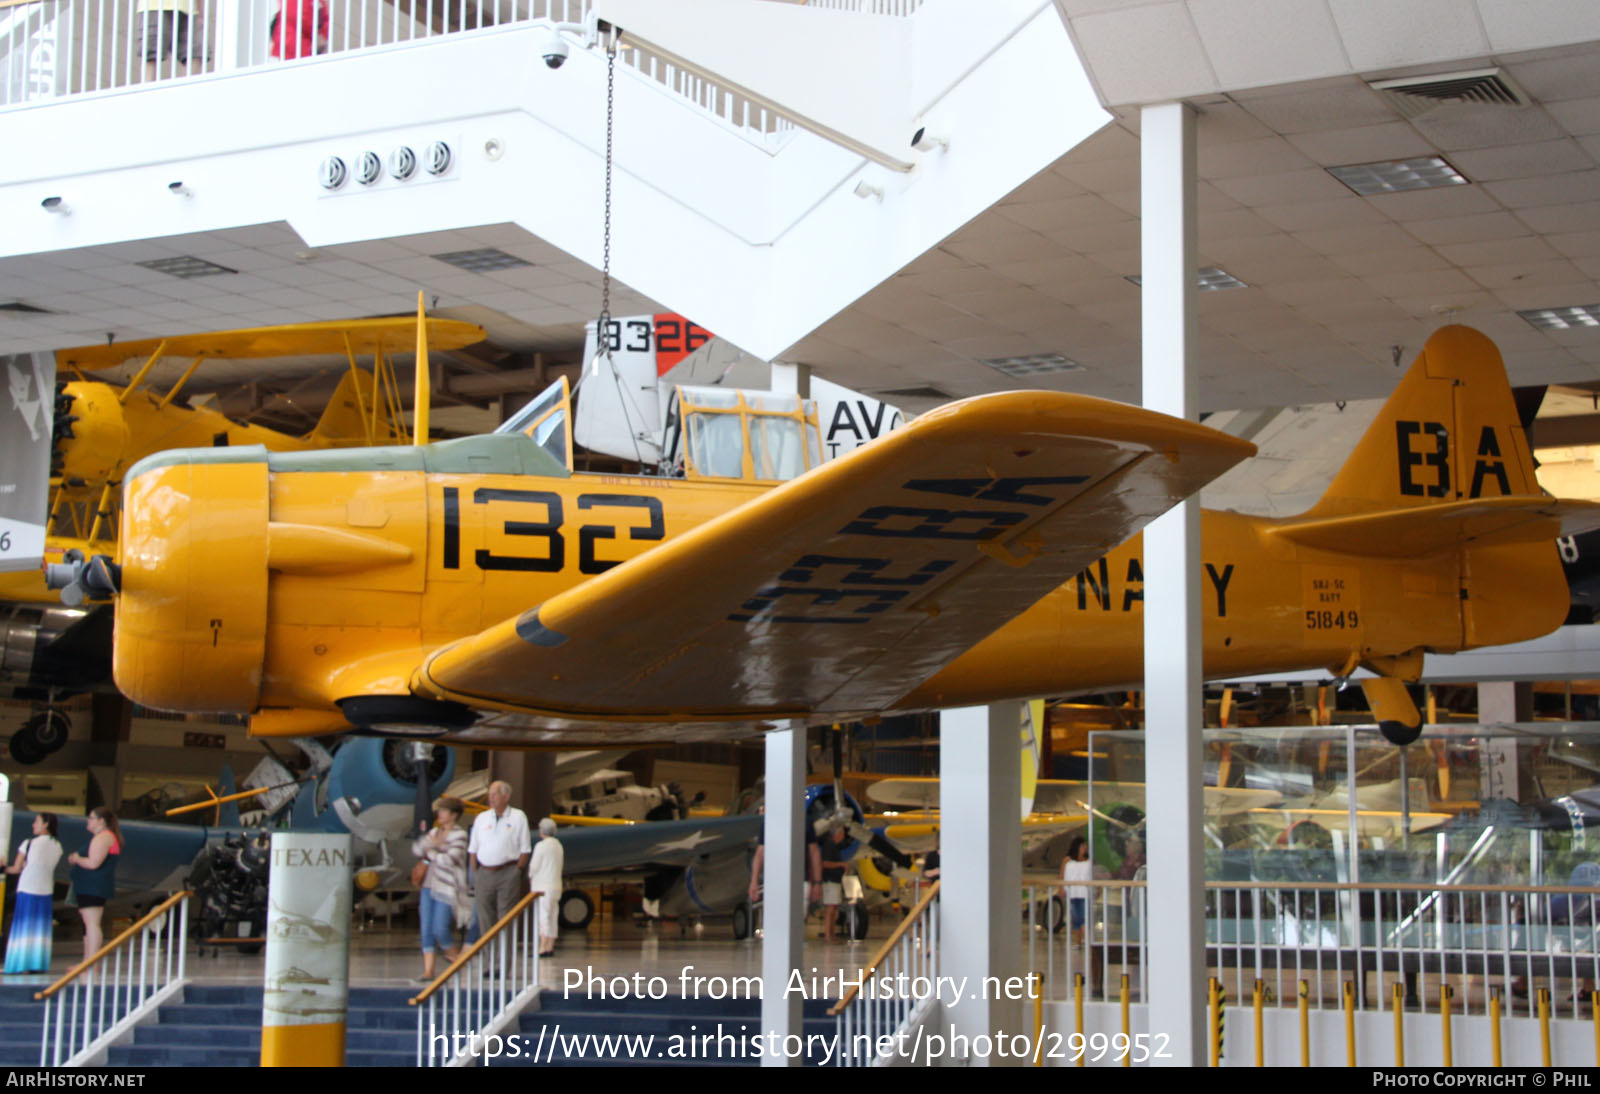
<point>479,590</point>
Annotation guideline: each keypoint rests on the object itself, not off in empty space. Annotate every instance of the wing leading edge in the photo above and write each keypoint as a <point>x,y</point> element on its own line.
<point>840,591</point>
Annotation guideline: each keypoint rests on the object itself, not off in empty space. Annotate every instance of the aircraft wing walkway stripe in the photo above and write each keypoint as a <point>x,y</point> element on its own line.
<point>841,590</point>
<point>1420,531</point>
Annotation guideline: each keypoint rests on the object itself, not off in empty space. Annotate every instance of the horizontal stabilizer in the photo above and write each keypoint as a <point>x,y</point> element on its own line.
<point>1418,532</point>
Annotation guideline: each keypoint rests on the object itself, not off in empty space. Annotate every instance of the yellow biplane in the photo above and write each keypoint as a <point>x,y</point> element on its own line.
<point>102,429</point>
<point>481,591</point>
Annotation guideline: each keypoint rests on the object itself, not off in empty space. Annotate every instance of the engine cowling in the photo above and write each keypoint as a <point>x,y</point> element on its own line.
<point>192,616</point>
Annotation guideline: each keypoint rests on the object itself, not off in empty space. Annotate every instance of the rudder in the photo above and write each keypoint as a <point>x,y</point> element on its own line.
<point>1450,432</point>
<point>348,418</point>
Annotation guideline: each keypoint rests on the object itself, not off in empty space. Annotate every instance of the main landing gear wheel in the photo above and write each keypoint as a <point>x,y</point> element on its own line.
<point>1399,733</point>
<point>50,729</point>
<point>854,917</point>
<point>1051,914</point>
<point>575,910</point>
<point>742,921</point>
<point>405,716</point>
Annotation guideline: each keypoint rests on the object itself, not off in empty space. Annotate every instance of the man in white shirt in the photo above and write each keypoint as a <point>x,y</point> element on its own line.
<point>500,847</point>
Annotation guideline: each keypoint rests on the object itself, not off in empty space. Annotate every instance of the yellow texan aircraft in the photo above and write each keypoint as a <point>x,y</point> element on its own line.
<point>479,590</point>
<point>102,429</point>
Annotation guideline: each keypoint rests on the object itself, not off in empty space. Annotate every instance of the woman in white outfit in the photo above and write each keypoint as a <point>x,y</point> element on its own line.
<point>544,876</point>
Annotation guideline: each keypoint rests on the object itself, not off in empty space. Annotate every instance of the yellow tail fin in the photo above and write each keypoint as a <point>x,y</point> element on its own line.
<point>1450,432</point>
<point>349,419</point>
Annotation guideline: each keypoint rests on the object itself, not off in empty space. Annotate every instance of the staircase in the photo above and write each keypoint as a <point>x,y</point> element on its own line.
<point>20,1022</point>
<point>573,1032</point>
<point>219,1025</point>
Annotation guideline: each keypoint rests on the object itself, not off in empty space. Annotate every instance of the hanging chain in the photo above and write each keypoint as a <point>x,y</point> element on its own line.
<point>602,333</point>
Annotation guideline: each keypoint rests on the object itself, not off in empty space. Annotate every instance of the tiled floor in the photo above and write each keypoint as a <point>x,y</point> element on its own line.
<point>381,955</point>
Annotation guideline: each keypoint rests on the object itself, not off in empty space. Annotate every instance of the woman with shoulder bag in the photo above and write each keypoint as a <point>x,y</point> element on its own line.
<point>441,874</point>
<point>28,949</point>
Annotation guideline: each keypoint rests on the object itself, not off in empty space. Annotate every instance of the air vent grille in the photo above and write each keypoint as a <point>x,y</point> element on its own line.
<point>1416,95</point>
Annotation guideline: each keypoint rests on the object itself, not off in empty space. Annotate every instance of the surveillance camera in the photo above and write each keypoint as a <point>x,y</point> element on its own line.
<point>179,188</point>
<point>922,141</point>
<point>55,205</point>
<point>554,50</point>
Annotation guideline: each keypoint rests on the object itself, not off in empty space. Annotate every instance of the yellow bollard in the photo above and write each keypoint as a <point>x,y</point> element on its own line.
<point>1350,1023</point>
<point>1127,1056</point>
<point>1444,1017</point>
<point>1038,1021</point>
<point>1077,1013</point>
<point>1216,1024</point>
<point>1494,1026</point>
<point>1399,1001</point>
<point>1544,1026</point>
<point>1305,1023</point>
<point>1256,994</point>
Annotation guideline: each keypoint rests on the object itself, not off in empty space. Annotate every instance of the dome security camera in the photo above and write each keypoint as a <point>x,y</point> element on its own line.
<point>554,50</point>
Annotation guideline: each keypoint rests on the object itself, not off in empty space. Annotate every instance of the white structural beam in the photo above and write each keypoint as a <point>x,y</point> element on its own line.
<point>980,859</point>
<point>1172,649</point>
<point>783,897</point>
<point>757,234</point>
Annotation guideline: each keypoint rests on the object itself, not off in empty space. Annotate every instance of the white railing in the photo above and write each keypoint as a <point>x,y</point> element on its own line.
<point>99,1001</point>
<point>483,991</point>
<point>886,999</point>
<point>52,49</point>
<point>1490,949</point>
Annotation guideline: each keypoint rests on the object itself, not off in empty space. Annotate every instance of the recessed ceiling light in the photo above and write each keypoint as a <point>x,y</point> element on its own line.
<point>1393,176</point>
<point>1578,315</point>
<point>1033,364</point>
<point>483,260</point>
<point>1209,279</point>
<point>186,266</point>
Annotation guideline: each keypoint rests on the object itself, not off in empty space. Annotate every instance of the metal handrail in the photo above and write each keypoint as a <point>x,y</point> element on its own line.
<point>471,951</point>
<point>100,1000</point>
<point>104,951</point>
<point>482,991</point>
<point>882,955</point>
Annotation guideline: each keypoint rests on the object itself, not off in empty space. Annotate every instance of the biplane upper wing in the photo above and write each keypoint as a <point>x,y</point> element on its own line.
<point>359,337</point>
<point>841,590</point>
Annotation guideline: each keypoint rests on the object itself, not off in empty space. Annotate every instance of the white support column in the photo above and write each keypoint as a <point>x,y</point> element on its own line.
<point>783,898</point>
<point>1172,647</point>
<point>980,859</point>
<point>791,379</point>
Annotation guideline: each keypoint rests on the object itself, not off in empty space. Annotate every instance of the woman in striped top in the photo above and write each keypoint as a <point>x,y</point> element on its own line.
<point>446,900</point>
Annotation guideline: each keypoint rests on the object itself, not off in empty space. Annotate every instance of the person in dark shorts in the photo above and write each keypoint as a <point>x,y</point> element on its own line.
<point>832,880</point>
<point>94,874</point>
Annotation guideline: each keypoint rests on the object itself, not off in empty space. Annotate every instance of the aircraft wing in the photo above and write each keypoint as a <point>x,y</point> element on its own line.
<point>361,337</point>
<point>657,843</point>
<point>841,590</point>
<point>1067,796</point>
